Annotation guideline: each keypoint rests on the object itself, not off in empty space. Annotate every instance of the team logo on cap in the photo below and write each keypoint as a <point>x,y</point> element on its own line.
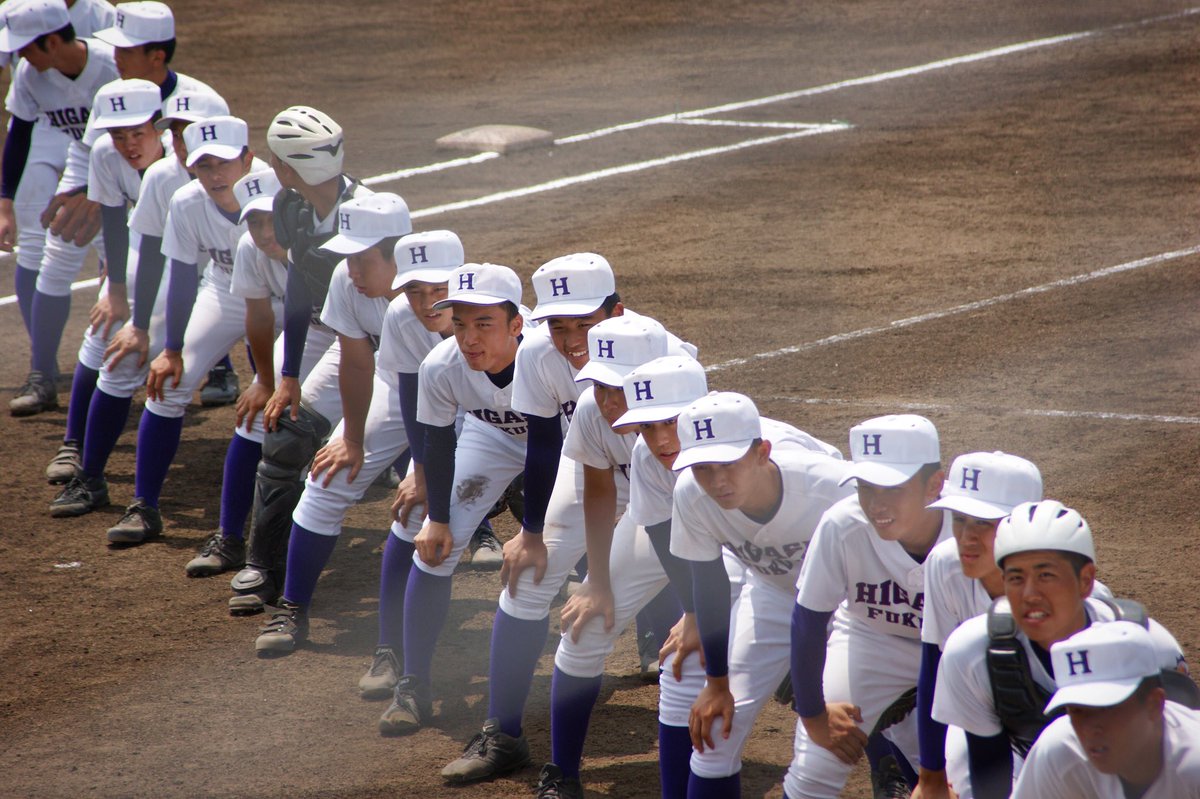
<point>970,479</point>
<point>343,221</point>
<point>641,391</point>
<point>183,104</point>
<point>418,254</point>
<point>703,428</point>
<point>559,286</point>
<point>120,19</point>
<point>208,133</point>
<point>871,444</point>
<point>1078,663</point>
<point>253,188</point>
<point>466,281</point>
<point>118,103</point>
<point>604,348</point>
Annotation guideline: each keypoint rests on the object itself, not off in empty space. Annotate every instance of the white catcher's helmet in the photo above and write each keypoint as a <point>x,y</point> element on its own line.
<point>1048,524</point>
<point>308,141</point>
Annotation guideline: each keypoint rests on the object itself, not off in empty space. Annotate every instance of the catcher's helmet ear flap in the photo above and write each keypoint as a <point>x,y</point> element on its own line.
<point>1043,525</point>
<point>309,141</point>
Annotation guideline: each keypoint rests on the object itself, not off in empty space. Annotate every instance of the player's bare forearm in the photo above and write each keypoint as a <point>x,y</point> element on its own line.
<point>933,785</point>
<point>356,373</point>
<point>260,337</point>
<point>599,515</point>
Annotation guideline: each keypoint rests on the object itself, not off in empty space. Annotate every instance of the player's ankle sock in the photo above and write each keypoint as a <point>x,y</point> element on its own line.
<point>674,760</point>
<point>715,788</point>
<point>48,316</point>
<point>157,442</point>
<point>83,385</point>
<point>571,703</point>
<point>393,582</point>
<point>516,646</point>
<point>25,284</point>
<point>426,602</point>
<point>307,554</point>
<point>237,484</point>
<point>106,420</point>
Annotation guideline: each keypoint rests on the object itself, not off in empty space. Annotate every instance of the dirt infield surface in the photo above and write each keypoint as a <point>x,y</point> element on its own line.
<point>881,263</point>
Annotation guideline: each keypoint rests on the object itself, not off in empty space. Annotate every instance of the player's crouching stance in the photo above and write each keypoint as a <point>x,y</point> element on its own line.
<point>864,569</point>
<point>765,506</point>
<point>1121,737</point>
<point>996,673</point>
<point>464,474</point>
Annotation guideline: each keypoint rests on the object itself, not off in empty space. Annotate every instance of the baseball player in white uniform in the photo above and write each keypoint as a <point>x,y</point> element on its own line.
<point>412,327</point>
<point>259,277</point>
<point>1047,556</point>
<point>864,569</point>
<point>56,79</point>
<point>464,474</point>
<point>764,505</point>
<point>1120,736</point>
<point>961,580</point>
<point>369,433</point>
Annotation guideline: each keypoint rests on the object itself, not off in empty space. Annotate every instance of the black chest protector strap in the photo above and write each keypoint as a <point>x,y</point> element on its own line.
<point>1018,698</point>
<point>293,221</point>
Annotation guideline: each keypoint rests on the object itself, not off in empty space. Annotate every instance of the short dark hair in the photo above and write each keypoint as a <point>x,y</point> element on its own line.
<point>1076,560</point>
<point>167,46</point>
<point>387,247</point>
<point>66,33</point>
<point>610,303</point>
<point>510,310</point>
<point>929,470</point>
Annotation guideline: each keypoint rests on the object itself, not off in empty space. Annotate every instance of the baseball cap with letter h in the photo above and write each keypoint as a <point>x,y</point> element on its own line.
<point>125,103</point>
<point>256,192</point>
<point>661,389</point>
<point>363,222</point>
<point>139,23</point>
<point>482,284</point>
<point>1102,665</point>
<point>618,345</point>
<point>427,257</point>
<point>888,450</point>
<point>26,20</point>
<point>573,285</point>
<point>191,105</point>
<point>718,428</point>
<point>223,137</point>
<point>988,485</point>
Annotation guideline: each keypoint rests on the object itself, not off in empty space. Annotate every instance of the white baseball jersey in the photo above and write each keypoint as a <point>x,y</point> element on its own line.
<point>63,103</point>
<point>652,485</point>
<point>544,382</point>
<point>776,549</point>
<point>111,180</point>
<point>446,383</point>
<point>951,597</point>
<point>256,276</point>
<point>160,182</point>
<point>881,586</point>
<point>198,233</point>
<point>350,313</point>
<point>1058,767</point>
<point>591,441</point>
<point>963,696</point>
<point>405,341</point>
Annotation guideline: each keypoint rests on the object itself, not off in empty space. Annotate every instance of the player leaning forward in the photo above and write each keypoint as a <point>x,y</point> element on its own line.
<point>764,505</point>
<point>1047,556</point>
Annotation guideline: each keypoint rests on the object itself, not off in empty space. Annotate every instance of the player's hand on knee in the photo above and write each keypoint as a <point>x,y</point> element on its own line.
<point>410,495</point>
<point>8,226</point>
<point>110,310</point>
<point>523,550</point>
<point>712,710</point>
<point>837,730</point>
<point>252,400</point>
<point>129,340</point>
<point>682,641</point>
<point>591,601</point>
<point>167,366</point>
<point>72,217</point>
<point>338,454</point>
<point>287,395</point>
<point>434,543</point>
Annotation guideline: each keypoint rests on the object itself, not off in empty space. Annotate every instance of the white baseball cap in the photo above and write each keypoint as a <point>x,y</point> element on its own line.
<point>1044,525</point>
<point>191,105</point>
<point>1102,665</point>
<point>25,20</point>
<point>363,222</point>
<point>124,103</point>
<point>427,257</point>
<point>573,285</point>
<point>482,284</point>
<point>139,23</point>
<point>223,137</point>
<point>988,485</point>
<point>717,428</point>
<point>256,192</point>
<point>618,345</point>
<point>889,450</point>
<point>661,389</point>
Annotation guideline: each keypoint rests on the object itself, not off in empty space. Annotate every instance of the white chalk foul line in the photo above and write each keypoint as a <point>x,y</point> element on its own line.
<point>899,324</point>
<point>624,169</point>
<point>81,284</point>
<point>729,123</point>
<point>400,174</point>
<point>1037,412</point>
